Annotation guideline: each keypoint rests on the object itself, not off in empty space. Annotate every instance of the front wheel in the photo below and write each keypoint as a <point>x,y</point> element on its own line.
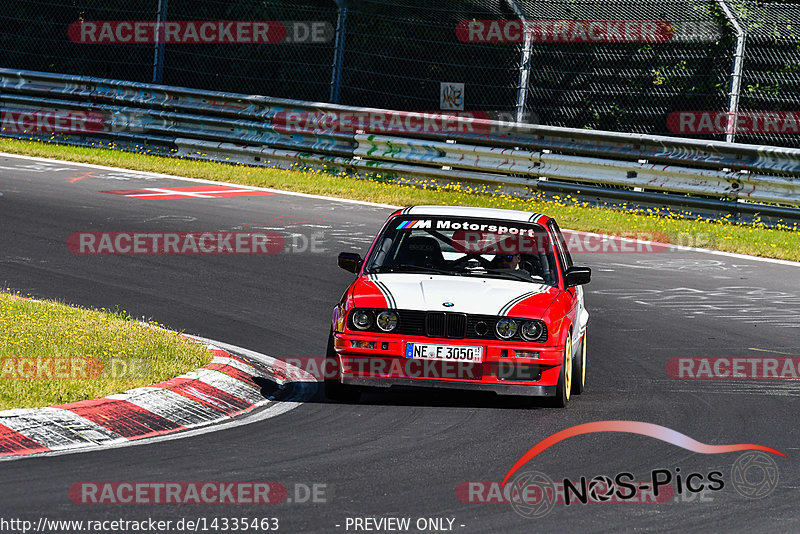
<point>334,389</point>
<point>579,368</point>
<point>564,386</point>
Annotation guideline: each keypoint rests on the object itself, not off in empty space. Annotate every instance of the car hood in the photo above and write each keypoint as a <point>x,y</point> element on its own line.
<point>473,295</point>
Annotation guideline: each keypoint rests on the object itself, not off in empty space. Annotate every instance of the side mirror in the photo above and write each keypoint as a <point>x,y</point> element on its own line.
<point>350,261</point>
<point>577,276</point>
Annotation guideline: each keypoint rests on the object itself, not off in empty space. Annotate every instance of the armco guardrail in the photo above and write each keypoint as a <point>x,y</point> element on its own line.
<point>287,133</point>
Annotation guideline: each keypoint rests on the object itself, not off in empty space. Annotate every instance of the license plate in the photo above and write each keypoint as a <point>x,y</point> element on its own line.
<point>447,353</point>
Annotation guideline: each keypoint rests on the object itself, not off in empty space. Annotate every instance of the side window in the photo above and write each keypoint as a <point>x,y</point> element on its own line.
<point>561,245</point>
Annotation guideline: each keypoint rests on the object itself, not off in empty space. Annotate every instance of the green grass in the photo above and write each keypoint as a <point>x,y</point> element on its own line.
<point>756,239</point>
<point>52,353</point>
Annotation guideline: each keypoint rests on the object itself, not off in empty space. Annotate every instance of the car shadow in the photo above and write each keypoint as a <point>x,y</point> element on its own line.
<point>447,398</point>
<point>399,396</point>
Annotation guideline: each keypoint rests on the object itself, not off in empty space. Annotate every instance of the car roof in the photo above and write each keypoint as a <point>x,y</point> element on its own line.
<point>483,213</point>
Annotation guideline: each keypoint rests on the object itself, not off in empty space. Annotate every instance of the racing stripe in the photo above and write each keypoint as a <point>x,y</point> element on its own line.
<point>390,301</point>
<point>513,310</point>
<point>372,278</point>
<point>367,294</point>
<point>504,310</point>
<point>534,217</point>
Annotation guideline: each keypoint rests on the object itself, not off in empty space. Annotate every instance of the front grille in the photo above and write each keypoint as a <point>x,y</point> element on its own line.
<point>482,326</point>
<point>411,322</point>
<point>435,325</point>
<point>456,325</point>
<point>451,325</point>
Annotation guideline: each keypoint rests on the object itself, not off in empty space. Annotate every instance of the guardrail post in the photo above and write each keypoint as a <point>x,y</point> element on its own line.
<point>338,52</point>
<point>736,70</point>
<point>524,66</point>
<point>158,56</point>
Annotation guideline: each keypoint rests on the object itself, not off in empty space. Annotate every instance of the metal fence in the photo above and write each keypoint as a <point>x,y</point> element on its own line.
<point>725,178</point>
<point>665,67</point>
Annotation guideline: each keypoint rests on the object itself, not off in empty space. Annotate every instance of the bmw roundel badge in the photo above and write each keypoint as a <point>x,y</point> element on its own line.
<point>448,304</point>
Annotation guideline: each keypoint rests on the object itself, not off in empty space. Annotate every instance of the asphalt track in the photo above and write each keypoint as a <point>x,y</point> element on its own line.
<point>403,453</point>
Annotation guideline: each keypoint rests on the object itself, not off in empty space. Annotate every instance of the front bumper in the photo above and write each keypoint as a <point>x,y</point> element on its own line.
<point>502,369</point>
<point>500,389</point>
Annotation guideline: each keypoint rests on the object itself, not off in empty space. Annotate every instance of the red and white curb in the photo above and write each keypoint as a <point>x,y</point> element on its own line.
<point>198,401</point>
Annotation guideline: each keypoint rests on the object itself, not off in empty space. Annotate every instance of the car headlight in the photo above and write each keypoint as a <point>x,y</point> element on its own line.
<point>387,321</point>
<point>506,328</point>
<point>362,319</point>
<point>530,330</point>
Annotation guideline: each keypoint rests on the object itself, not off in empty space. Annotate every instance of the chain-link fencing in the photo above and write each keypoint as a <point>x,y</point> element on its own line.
<point>771,72</point>
<point>711,69</point>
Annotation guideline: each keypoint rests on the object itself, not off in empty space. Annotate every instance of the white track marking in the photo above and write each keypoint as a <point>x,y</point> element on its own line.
<point>158,192</point>
<point>195,180</point>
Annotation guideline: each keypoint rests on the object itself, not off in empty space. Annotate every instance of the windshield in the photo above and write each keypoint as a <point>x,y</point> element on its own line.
<point>465,247</point>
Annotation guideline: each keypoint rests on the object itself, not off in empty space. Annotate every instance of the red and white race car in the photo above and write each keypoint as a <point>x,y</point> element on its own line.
<point>461,297</point>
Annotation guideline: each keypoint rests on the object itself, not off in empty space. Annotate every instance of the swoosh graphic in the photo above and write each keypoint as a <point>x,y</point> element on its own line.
<point>634,427</point>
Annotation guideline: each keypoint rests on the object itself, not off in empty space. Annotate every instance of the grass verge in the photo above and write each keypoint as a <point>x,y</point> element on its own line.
<point>52,353</point>
<point>755,239</point>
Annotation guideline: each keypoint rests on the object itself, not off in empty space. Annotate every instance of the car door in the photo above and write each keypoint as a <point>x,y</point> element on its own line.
<point>577,314</point>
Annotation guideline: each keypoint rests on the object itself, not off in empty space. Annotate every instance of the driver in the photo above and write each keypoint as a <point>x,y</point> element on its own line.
<point>506,261</point>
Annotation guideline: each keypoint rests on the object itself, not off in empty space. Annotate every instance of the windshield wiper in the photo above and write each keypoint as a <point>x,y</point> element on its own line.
<point>406,267</point>
<point>515,274</point>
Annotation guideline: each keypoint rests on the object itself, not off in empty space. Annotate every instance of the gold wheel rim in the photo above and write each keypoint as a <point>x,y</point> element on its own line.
<point>568,366</point>
<point>583,358</point>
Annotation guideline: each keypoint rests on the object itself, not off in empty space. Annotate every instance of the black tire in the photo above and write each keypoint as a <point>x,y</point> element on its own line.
<point>579,368</point>
<point>564,386</point>
<point>334,389</point>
